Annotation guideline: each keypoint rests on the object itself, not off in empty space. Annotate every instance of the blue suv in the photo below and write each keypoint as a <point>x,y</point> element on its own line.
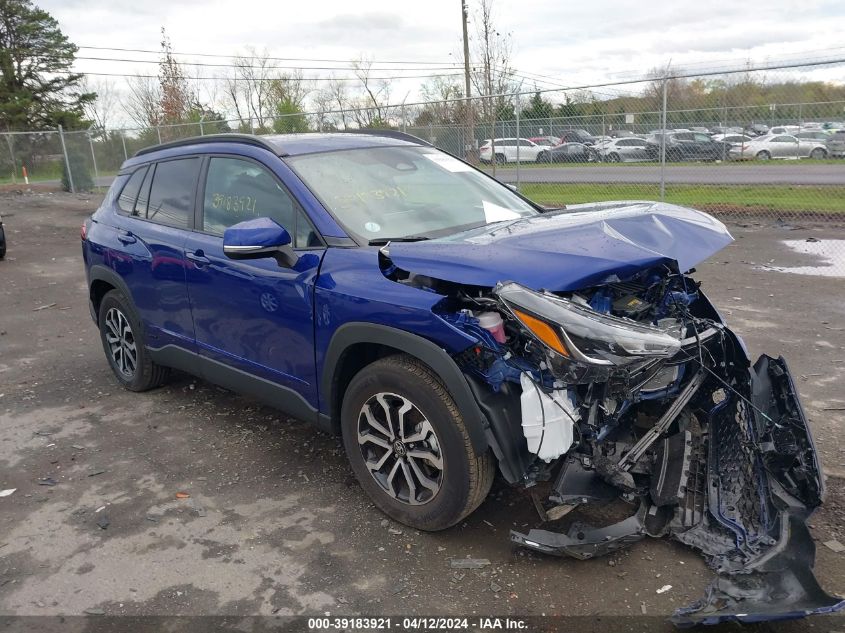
<point>449,329</point>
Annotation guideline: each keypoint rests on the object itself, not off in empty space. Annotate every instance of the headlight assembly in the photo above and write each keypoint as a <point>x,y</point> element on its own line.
<point>579,333</point>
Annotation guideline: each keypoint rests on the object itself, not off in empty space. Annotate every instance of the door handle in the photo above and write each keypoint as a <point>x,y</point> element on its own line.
<point>125,237</point>
<point>198,257</point>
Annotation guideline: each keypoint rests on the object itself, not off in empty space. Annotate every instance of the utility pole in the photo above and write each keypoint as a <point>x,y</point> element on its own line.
<point>470,136</point>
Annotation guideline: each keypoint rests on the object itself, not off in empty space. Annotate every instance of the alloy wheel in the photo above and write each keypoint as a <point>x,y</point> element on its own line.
<point>121,342</point>
<point>400,448</point>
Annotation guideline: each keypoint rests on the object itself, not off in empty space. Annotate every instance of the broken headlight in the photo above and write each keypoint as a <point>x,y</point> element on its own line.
<point>581,334</point>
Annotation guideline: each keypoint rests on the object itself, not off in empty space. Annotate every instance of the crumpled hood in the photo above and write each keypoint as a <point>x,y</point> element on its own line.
<point>582,246</point>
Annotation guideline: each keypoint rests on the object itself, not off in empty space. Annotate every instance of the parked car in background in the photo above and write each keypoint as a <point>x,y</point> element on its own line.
<point>835,144</point>
<point>833,125</point>
<point>577,136</point>
<point>622,150</point>
<point>545,141</point>
<point>504,150</point>
<point>735,140</point>
<point>816,135</point>
<point>688,146</point>
<point>568,153</point>
<point>704,130</point>
<point>720,129</point>
<point>780,146</point>
<point>756,129</point>
<point>620,133</point>
<point>784,129</point>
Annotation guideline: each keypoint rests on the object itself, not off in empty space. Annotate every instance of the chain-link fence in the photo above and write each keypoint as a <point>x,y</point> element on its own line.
<point>764,142</point>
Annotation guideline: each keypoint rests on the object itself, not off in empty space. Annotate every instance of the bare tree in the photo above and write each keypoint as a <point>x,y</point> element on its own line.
<point>441,93</point>
<point>101,111</point>
<point>143,102</point>
<point>493,75</point>
<point>372,110</point>
<point>249,88</point>
<point>322,101</point>
<point>340,100</point>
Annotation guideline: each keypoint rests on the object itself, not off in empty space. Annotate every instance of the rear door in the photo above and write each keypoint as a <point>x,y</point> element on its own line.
<point>253,315</point>
<point>158,212</point>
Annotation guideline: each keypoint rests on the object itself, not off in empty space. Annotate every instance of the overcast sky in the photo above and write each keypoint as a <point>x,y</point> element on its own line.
<point>574,43</point>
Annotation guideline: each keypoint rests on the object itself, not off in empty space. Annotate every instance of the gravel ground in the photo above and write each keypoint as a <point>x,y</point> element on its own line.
<point>272,521</point>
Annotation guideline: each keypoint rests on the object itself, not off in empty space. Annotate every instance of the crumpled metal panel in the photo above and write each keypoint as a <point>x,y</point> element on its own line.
<point>562,251</point>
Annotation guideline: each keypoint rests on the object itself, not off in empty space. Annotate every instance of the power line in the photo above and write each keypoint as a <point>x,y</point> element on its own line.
<point>211,65</point>
<point>280,59</point>
<point>261,79</point>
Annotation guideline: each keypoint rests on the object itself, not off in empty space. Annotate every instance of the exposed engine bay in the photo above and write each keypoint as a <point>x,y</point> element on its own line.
<point>635,389</point>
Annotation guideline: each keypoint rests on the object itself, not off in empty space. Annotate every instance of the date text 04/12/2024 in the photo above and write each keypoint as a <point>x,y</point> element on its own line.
<point>417,623</point>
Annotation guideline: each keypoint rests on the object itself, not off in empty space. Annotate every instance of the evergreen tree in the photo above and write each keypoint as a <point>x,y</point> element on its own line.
<point>38,90</point>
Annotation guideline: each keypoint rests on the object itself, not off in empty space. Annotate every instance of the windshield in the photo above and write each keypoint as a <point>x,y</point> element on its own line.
<point>393,192</point>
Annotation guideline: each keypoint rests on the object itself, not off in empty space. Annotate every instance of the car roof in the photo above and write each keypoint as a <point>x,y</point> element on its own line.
<point>295,144</point>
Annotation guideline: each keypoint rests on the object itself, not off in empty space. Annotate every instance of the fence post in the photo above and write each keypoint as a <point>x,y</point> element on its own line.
<point>93,159</point>
<point>517,143</point>
<point>14,162</point>
<point>663,143</point>
<point>67,160</point>
<point>123,140</point>
<point>158,131</point>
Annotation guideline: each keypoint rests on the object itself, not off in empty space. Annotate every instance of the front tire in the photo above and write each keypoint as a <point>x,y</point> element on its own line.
<point>409,447</point>
<point>501,159</point>
<point>614,158</point>
<point>123,344</point>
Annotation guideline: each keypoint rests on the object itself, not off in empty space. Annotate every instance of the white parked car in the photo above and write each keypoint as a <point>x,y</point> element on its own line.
<point>784,129</point>
<point>623,150</point>
<point>736,140</point>
<point>780,146</point>
<point>505,150</point>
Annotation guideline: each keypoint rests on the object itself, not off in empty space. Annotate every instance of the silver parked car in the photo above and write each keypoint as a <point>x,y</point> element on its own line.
<point>835,144</point>
<point>780,146</point>
<point>623,150</point>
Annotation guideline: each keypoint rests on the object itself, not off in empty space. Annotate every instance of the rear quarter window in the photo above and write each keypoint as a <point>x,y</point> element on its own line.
<point>129,193</point>
<point>172,192</point>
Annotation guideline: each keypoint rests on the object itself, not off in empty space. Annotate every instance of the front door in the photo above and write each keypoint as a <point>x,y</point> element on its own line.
<point>253,315</point>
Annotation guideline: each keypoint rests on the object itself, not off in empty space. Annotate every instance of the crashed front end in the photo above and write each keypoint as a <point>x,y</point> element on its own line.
<point>633,388</point>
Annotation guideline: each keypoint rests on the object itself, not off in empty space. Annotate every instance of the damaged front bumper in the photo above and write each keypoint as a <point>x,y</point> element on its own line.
<point>739,486</point>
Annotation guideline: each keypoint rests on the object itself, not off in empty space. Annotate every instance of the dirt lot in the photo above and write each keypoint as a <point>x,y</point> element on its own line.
<point>275,524</point>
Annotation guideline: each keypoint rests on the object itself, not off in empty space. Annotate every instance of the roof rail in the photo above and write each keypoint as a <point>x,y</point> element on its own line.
<point>402,136</point>
<point>249,139</point>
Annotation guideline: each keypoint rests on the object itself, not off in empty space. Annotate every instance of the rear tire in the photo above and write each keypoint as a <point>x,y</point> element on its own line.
<point>394,411</point>
<point>123,344</point>
<point>818,154</point>
<point>614,158</point>
<point>544,157</point>
<point>764,155</point>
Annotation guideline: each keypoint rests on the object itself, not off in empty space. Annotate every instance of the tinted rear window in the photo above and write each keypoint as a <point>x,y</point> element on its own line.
<point>172,192</point>
<point>126,200</point>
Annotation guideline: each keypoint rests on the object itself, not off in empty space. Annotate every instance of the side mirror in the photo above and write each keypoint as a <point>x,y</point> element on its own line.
<point>257,239</point>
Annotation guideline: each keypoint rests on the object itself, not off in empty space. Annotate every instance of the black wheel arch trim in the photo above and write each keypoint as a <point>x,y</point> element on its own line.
<point>433,355</point>
<point>98,272</point>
